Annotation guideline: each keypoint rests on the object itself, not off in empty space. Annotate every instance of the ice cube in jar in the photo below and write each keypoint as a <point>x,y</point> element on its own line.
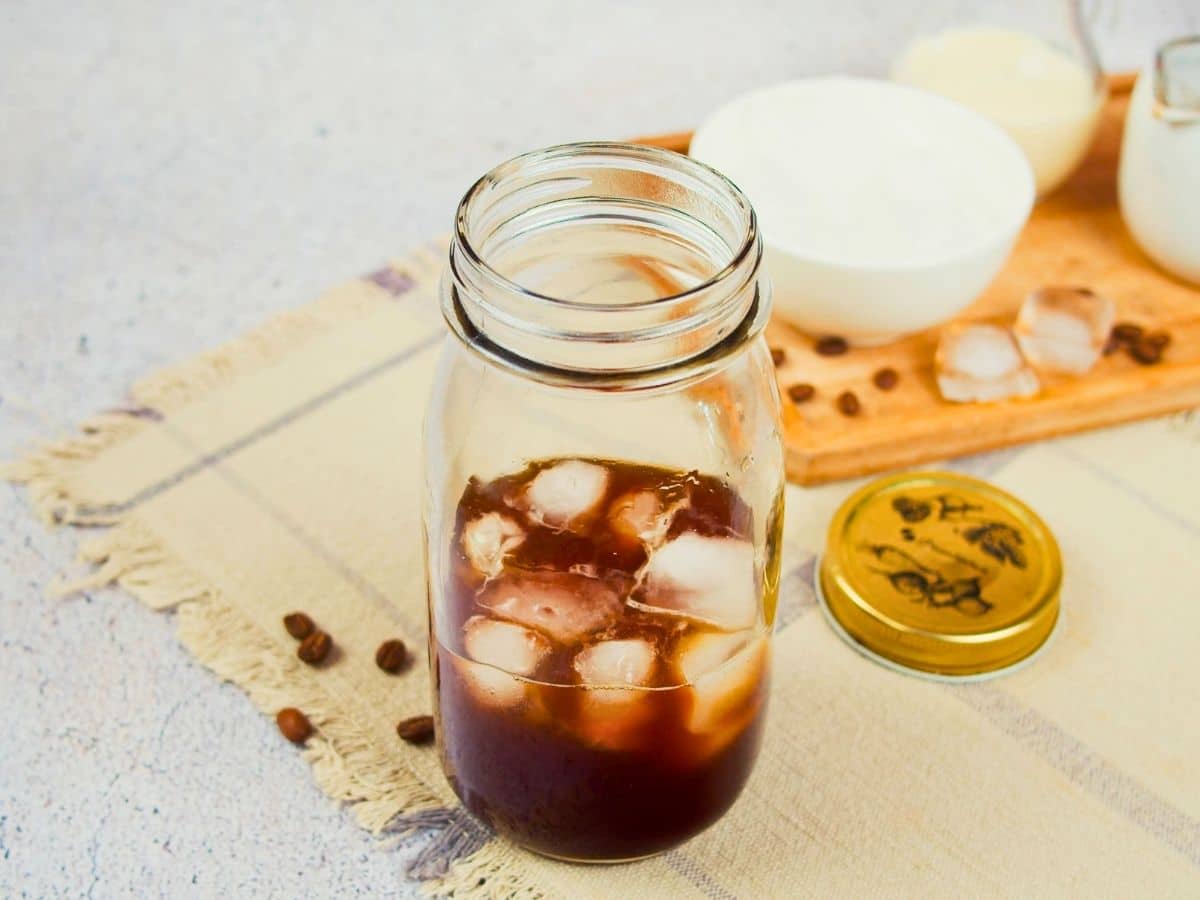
<point>562,495</point>
<point>499,651</point>
<point>614,708</point>
<point>644,516</point>
<point>1063,329</point>
<point>503,645</point>
<point>488,539</point>
<point>704,579</point>
<point>981,364</point>
<point>725,672</point>
<point>616,663</point>
<point>565,606</point>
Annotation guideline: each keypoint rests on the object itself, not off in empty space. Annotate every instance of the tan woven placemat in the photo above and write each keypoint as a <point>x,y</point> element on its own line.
<point>281,472</point>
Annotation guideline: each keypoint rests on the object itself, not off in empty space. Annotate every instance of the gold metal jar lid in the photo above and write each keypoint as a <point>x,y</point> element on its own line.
<point>941,574</point>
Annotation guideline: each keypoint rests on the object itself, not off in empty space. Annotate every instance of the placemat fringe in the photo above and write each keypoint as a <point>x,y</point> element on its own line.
<point>131,556</point>
<point>492,871</point>
<point>347,764</point>
<point>48,470</point>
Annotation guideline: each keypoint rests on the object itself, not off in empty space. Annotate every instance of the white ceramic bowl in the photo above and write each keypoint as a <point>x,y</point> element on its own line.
<point>885,209</point>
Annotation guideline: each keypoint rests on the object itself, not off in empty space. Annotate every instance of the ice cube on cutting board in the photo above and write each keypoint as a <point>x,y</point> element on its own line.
<point>981,364</point>
<point>1064,329</point>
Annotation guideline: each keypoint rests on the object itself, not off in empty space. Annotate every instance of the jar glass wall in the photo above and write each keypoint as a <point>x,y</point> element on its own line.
<point>603,500</point>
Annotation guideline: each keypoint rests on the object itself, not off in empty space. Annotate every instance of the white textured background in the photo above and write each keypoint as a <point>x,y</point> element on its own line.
<point>170,176</point>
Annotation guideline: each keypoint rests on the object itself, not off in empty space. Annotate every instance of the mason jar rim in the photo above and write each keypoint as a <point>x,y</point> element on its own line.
<point>615,149</point>
<point>544,195</point>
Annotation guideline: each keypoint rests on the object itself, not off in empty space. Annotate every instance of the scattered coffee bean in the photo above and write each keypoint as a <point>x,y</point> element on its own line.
<point>778,356</point>
<point>1112,345</point>
<point>831,346</point>
<point>1158,339</point>
<point>293,725</point>
<point>391,655</point>
<point>801,393</point>
<point>417,730</point>
<point>1146,353</point>
<point>1127,333</point>
<point>847,403</point>
<point>298,625</point>
<point>314,648</point>
<point>886,379</point>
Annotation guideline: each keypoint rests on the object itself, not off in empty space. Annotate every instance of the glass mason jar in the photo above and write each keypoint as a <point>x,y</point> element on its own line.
<point>603,500</point>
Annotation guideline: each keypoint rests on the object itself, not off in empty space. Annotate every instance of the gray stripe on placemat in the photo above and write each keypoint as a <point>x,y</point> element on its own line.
<point>366,588</point>
<point>796,593</point>
<point>262,431</point>
<point>394,281</point>
<point>1085,768</point>
<point>699,879</point>
<point>457,834</point>
<point>1163,512</point>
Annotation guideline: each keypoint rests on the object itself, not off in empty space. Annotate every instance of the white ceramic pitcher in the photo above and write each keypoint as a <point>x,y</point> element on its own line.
<point>1160,159</point>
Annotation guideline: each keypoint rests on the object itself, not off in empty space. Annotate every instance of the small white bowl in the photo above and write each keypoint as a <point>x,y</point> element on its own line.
<point>885,209</point>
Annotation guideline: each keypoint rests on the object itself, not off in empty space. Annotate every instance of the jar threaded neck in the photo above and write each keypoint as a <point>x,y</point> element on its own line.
<point>604,262</point>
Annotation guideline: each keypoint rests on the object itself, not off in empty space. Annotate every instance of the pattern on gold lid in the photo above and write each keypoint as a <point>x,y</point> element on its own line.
<point>941,573</point>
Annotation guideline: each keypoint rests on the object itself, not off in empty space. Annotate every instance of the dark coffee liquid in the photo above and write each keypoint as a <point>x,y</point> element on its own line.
<point>593,705</point>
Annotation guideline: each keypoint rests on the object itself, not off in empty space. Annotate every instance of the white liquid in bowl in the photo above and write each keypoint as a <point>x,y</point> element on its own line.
<point>885,209</point>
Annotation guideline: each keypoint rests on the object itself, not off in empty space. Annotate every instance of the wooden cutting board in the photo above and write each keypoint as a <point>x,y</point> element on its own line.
<point>1075,236</point>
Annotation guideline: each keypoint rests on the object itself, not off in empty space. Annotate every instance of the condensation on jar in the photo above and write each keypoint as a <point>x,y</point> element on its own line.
<point>603,502</point>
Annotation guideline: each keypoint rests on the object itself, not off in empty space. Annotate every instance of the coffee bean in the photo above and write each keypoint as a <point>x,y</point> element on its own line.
<point>886,379</point>
<point>847,403</point>
<point>801,393</point>
<point>314,648</point>
<point>417,730</point>
<point>778,356</point>
<point>298,625</point>
<point>1127,333</point>
<point>1160,340</point>
<point>391,655</point>
<point>1112,345</point>
<point>294,725</point>
<point>1146,353</point>
<point>831,346</point>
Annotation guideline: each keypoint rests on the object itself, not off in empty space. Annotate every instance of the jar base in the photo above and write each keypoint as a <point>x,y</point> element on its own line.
<point>596,862</point>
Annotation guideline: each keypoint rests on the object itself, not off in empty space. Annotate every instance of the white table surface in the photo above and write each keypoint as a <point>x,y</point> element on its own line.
<point>169,178</point>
